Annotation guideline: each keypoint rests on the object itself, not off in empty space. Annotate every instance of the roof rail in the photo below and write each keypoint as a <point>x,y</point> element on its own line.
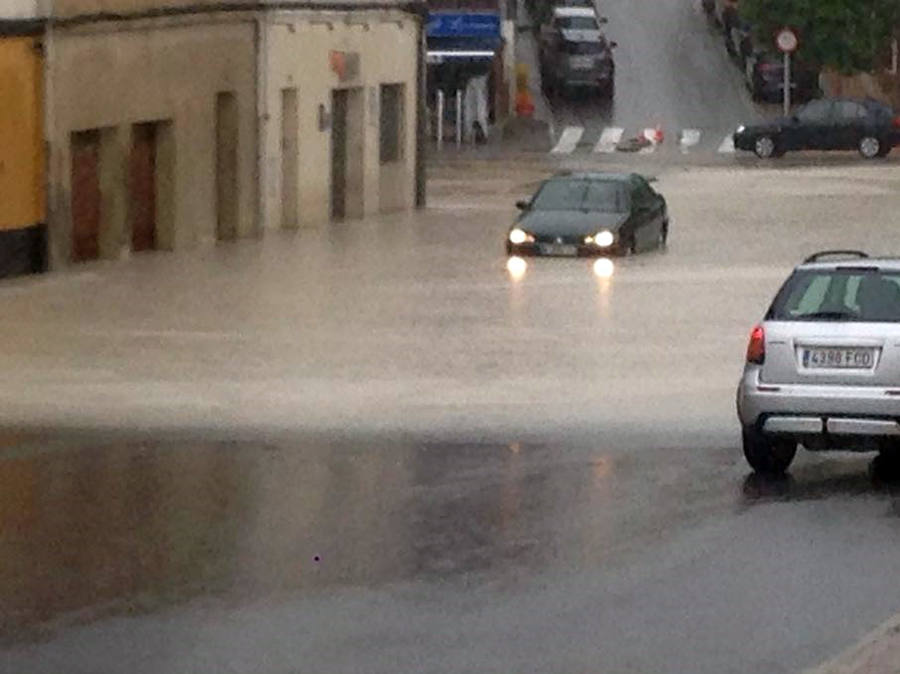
<point>815,257</point>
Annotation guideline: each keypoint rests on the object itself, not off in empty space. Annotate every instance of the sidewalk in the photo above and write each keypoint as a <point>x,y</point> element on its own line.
<point>876,653</point>
<point>527,54</point>
<point>535,133</point>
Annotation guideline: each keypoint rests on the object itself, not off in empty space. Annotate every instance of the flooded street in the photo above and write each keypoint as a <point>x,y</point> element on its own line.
<point>375,447</point>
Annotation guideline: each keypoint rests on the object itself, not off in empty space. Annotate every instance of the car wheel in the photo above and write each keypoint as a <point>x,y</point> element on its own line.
<point>663,235</point>
<point>630,247</point>
<point>769,456</point>
<point>609,91</point>
<point>764,147</point>
<point>885,467</point>
<point>869,147</point>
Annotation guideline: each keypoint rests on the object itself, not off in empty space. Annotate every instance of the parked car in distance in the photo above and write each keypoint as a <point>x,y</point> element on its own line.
<point>575,54</point>
<point>764,75</point>
<point>823,366</point>
<point>739,39</point>
<point>721,10</point>
<point>575,3</point>
<point>590,214</point>
<point>869,126</point>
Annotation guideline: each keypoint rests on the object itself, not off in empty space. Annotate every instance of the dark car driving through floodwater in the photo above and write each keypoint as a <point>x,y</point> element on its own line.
<point>587,214</point>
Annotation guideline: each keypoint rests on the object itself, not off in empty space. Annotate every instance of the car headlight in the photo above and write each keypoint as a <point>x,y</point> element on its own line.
<point>604,239</point>
<point>740,129</point>
<point>518,236</point>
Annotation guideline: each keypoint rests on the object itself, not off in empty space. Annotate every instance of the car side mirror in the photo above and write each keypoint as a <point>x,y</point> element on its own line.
<point>795,119</point>
<point>613,44</point>
<point>522,205</point>
<point>603,19</point>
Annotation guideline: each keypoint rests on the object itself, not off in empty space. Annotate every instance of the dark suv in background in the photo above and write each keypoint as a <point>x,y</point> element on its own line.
<point>575,54</point>
<point>764,77</point>
<point>762,65</point>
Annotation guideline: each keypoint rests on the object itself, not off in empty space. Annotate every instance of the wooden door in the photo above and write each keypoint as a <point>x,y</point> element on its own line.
<point>142,187</point>
<point>86,197</point>
<point>339,154</point>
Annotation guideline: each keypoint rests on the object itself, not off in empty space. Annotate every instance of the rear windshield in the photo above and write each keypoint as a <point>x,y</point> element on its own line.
<point>582,195</point>
<point>577,23</point>
<point>839,295</point>
<point>583,47</point>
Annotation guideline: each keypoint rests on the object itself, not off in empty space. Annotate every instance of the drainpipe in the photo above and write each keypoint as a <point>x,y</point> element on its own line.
<point>421,111</point>
<point>262,118</point>
<point>51,151</point>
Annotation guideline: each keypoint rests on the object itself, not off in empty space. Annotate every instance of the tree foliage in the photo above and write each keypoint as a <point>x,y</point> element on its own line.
<point>847,35</point>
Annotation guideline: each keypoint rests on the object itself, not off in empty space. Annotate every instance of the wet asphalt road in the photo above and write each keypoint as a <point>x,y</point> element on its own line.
<point>370,448</point>
<point>672,71</point>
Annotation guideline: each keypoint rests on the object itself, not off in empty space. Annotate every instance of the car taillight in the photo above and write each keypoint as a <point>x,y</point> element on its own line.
<point>769,67</point>
<point>756,349</point>
<point>896,122</point>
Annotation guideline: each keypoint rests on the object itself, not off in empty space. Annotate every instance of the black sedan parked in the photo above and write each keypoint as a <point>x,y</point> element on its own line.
<point>826,124</point>
<point>590,214</point>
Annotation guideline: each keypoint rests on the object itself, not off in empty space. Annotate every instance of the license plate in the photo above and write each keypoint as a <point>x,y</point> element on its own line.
<point>558,249</point>
<point>860,359</point>
<point>582,63</point>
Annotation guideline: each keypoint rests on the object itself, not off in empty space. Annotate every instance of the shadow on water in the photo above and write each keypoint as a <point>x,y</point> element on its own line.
<point>824,480</point>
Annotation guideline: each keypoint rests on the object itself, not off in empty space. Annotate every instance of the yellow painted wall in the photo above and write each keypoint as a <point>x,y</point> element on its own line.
<point>21,134</point>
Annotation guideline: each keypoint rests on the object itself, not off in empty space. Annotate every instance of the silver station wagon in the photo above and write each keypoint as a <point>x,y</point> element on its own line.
<point>823,368</point>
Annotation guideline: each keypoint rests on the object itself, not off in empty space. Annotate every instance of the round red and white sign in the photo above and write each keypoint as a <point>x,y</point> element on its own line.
<point>786,40</point>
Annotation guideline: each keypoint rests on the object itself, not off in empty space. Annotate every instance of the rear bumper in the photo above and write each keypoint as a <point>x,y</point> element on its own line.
<point>594,77</point>
<point>805,411</point>
<point>806,425</point>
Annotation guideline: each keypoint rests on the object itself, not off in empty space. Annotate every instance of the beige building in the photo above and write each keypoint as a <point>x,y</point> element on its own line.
<point>340,91</point>
<point>170,126</point>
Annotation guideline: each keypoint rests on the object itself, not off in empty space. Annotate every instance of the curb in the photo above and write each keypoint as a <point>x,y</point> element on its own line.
<point>876,653</point>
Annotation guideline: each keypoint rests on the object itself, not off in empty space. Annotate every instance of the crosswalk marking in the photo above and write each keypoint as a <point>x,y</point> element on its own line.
<point>615,138</point>
<point>568,140</point>
<point>609,139</point>
<point>727,145</point>
<point>688,138</point>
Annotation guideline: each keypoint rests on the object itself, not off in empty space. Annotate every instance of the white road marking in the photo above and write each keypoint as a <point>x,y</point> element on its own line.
<point>568,140</point>
<point>609,139</point>
<point>727,145</point>
<point>689,138</point>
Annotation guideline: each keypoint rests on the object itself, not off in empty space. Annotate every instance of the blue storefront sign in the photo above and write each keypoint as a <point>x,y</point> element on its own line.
<point>458,24</point>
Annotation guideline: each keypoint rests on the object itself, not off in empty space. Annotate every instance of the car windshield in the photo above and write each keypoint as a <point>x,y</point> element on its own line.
<point>581,195</point>
<point>577,23</point>
<point>846,294</point>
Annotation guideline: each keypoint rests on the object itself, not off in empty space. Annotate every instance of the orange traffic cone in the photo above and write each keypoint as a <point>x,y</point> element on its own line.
<point>524,103</point>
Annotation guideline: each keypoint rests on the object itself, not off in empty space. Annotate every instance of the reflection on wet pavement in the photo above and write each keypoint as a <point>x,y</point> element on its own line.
<point>130,529</point>
<point>113,529</point>
<point>133,529</point>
